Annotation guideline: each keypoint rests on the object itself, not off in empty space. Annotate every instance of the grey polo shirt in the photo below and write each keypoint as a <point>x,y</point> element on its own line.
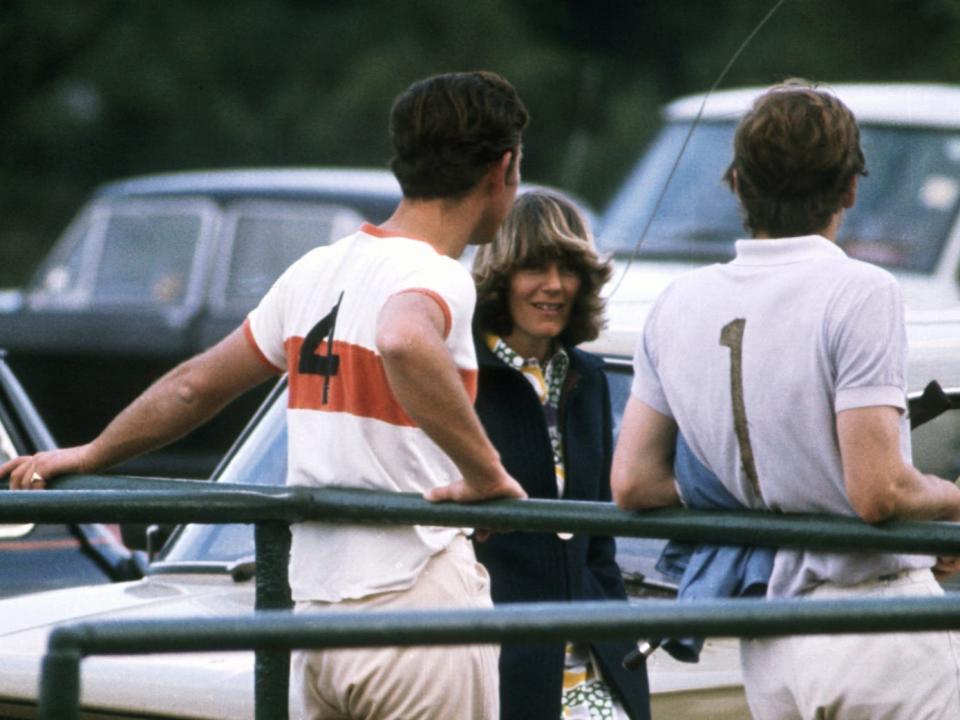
<point>754,358</point>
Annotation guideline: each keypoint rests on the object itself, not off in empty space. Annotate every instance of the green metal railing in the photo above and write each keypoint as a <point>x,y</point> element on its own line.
<point>271,509</point>
<point>60,681</point>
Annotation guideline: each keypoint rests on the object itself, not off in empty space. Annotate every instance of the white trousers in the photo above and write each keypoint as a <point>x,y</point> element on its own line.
<point>459,682</point>
<point>896,676</point>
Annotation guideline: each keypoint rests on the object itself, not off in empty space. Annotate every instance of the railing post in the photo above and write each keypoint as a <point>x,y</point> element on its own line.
<point>59,697</point>
<point>272,670</point>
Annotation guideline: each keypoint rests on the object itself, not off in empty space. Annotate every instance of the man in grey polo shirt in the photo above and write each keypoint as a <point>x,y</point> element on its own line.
<point>785,372</point>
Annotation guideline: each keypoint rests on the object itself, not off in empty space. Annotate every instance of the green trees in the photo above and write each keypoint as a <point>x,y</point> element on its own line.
<point>109,88</point>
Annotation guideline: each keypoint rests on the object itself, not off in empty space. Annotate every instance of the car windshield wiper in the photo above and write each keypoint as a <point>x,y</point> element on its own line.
<point>239,570</point>
<point>243,569</point>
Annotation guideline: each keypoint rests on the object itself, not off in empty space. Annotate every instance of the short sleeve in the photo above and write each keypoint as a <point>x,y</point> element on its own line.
<point>264,326</point>
<point>450,285</point>
<point>646,385</point>
<point>869,348</point>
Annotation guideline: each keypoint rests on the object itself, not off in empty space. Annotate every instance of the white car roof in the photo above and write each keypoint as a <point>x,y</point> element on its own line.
<point>358,180</point>
<point>929,105</point>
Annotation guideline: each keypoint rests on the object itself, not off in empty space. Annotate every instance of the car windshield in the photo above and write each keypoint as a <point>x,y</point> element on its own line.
<point>904,212</point>
<point>261,459</point>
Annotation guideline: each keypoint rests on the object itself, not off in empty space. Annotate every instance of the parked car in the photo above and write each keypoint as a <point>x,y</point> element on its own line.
<point>157,268</point>
<point>907,219</point>
<point>42,557</point>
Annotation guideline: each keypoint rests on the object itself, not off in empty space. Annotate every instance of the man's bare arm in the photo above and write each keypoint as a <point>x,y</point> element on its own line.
<point>879,484</point>
<point>642,473</point>
<point>178,402</point>
<point>426,383</point>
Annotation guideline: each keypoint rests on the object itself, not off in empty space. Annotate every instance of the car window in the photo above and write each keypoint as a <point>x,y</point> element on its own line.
<point>126,253</point>
<point>904,212</point>
<point>619,379</point>
<point>266,237</point>
<point>146,259</point>
<point>908,203</point>
<point>59,281</point>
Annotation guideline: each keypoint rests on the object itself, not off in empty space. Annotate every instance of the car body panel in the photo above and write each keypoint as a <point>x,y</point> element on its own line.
<point>189,685</point>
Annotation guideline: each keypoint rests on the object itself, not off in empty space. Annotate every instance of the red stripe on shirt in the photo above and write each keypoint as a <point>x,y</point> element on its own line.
<point>359,387</point>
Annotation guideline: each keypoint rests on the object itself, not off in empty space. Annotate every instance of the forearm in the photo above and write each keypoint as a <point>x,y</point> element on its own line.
<point>165,412</point>
<point>184,398</point>
<point>181,400</point>
<point>879,484</point>
<point>917,496</point>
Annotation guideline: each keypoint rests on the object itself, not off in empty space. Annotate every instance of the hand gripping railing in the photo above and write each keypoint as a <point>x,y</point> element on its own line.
<point>272,634</point>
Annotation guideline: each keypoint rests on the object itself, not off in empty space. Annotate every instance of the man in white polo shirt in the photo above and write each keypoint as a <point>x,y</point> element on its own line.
<point>375,333</point>
<point>785,372</point>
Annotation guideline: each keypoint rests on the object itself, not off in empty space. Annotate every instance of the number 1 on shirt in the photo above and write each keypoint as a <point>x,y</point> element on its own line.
<point>731,336</point>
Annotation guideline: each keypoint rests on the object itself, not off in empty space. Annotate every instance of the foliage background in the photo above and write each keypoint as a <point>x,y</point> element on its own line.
<point>102,89</point>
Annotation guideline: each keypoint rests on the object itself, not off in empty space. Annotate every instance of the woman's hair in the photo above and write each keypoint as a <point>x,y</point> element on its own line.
<point>542,226</point>
<point>795,153</point>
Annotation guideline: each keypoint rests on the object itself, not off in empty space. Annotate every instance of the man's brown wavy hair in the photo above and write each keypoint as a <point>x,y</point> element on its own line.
<point>543,226</point>
<point>447,129</point>
<point>795,154</point>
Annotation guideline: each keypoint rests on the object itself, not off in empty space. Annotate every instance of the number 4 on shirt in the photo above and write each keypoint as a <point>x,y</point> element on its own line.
<point>328,364</point>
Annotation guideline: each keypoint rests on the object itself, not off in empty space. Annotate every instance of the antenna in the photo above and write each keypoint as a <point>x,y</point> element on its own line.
<point>686,141</point>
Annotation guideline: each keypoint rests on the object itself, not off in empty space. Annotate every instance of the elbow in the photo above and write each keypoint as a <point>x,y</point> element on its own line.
<point>875,511</point>
<point>880,500</point>
<point>632,493</point>
<point>193,388</point>
<point>620,496</point>
<point>621,488</point>
<point>393,345</point>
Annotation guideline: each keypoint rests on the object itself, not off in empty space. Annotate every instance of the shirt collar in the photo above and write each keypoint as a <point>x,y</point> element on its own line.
<point>784,251</point>
<point>508,356</point>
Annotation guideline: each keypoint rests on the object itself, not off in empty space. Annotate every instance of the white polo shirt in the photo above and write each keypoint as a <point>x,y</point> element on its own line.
<point>346,429</point>
<point>754,358</point>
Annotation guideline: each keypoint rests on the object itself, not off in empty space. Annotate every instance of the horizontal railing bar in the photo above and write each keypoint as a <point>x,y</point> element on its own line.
<point>527,622</point>
<point>84,499</point>
<point>118,499</point>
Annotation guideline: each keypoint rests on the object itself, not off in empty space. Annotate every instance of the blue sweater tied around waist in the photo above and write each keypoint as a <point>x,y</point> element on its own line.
<point>709,571</point>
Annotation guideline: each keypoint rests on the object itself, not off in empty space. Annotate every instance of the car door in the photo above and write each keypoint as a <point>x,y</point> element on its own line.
<point>43,557</point>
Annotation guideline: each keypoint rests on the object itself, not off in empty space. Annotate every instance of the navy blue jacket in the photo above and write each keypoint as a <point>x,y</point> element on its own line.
<point>536,567</point>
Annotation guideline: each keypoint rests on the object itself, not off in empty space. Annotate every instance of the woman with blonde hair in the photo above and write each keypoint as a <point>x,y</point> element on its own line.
<point>546,407</point>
